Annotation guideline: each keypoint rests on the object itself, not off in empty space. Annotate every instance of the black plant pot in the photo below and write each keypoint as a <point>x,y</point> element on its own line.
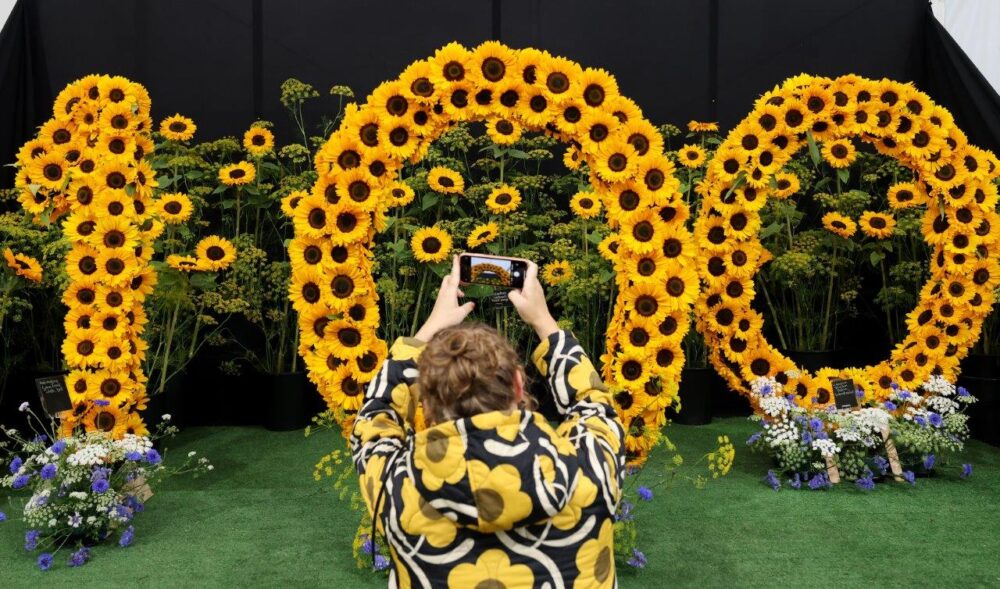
<point>727,402</point>
<point>288,401</point>
<point>697,389</point>
<point>984,415</point>
<point>813,361</point>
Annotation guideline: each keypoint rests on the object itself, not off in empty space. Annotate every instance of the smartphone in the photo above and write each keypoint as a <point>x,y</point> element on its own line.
<point>492,270</point>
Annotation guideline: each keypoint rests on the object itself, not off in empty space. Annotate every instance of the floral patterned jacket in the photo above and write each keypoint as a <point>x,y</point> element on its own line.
<point>500,496</point>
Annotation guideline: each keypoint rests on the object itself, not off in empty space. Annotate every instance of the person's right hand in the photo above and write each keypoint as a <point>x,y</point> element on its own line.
<point>529,301</point>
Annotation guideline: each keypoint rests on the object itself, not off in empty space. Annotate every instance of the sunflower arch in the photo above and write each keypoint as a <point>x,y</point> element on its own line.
<point>953,181</point>
<point>512,91</point>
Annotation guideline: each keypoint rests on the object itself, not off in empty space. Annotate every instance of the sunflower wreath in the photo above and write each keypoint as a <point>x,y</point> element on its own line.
<point>86,170</point>
<point>952,181</point>
<point>512,91</point>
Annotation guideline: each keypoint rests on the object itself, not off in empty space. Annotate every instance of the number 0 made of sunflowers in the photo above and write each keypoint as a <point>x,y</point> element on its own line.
<point>512,91</point>
<point>953,181</point>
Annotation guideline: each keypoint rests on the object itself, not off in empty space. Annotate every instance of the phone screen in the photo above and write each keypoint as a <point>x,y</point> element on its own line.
<point>493,271</point>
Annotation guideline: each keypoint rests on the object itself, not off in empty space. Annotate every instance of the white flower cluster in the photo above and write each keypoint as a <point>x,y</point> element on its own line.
<point>88,455</point>
<point>827,447</point>
<point>133,443</point>
<point>764,385</point>
<point>773,406</point>
<point>942,405</point>
<point>781,432</point>
<point>939,385</point>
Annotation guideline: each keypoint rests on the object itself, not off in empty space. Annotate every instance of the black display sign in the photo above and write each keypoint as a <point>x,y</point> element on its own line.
<point>497,300</point>
<point>54,395</point>
<point>844,393</point>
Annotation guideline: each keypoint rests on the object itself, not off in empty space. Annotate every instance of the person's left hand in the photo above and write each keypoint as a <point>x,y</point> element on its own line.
<point>446,312</point>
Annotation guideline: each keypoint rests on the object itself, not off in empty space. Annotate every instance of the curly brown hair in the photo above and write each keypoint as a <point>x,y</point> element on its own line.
<point>466,370</point>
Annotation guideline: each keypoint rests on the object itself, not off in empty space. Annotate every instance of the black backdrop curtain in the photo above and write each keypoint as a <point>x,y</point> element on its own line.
<point>222,61</point>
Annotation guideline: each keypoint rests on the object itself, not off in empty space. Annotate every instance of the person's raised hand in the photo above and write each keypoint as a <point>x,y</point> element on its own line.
<point>447,311</point>
<point>530,303</point>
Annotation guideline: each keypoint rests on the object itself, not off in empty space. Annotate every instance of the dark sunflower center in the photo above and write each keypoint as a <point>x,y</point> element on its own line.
<point>557,82</point>
<point>878,222</point>
<point>632,369</point>
<point>349,337</point>
<point>61,136</point>
<point>672,247</point>
<point>87,265</point>
<point>399,136</point>
<point>505,127</point>
<point>369,134</point>
<point>654,179</point>
<point>342,286</point>
<point>617,162</point>
<point>586,203</point>
<point>493,69</point>
<point>646,305</point>
<point>359,191</point>
<point>839,151</point>
<point>538,103</point>
<point>317,218</point>
<point>572,114</point>
<point>85,348</point>
<point>504,198</point>
<point>738,221</point>
<point>177,127</point>
<point>509,98</point>
<point>460,99</point>
<point>643,231</point>
<point>593,94</point>
<point>114,266</point>
<point>215,253</point>
<point>675,286</point>
<point>716,235</point>
<point>114,238</point>
<point>346,222</point>
<point>431,245</point>
<point>173,207</point>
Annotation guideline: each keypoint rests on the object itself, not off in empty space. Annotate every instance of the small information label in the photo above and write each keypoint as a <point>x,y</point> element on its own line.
<point>54,395</point>
<point>844,393</point>
<point>497,300</point>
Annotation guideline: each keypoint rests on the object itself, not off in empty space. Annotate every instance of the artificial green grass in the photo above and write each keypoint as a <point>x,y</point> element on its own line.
<point>260,520</point>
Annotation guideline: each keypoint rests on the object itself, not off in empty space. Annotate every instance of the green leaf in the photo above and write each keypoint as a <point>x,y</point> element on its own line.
<point>204,281</point>
<point>875,258</point>
<point>429,200</point>
<point>220,189</point>
<point>813,149</point>
<point>844,174</point>
<point>517,154</point>
<point>594,238</point>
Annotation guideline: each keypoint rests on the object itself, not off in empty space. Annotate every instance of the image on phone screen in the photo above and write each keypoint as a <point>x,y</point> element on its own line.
<point>493,271</point>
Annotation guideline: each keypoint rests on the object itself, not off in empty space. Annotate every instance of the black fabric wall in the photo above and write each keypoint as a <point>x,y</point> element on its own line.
<point>222,61</point>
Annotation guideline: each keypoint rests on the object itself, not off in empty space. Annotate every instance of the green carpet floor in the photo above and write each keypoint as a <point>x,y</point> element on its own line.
<point>261,521</point>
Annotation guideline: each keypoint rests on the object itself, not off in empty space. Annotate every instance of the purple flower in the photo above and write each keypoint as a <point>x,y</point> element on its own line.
<point>20,482</point>
<point>807,438</point>
<point>909,477</point>
<point>963,392</point>
<point>381,562</point>
<point>102,402</point>
<point>866,483</point>
<point>31,539</point>
<point>100,472</point>
<point>15,465</point>
<point>765,390</point>
<point>127,536</point>
<point>919,420</point>
<point>929,462</point>
<point>638,559</point>
<point>133,456</point>
<point>890,406</point>
<point>123,513</point>
<point>44,561</point>
<point>625,512</point>
<point>936,419</point>
<point>966,472</point>
<point>816,424</point>
<point>369,545</point>
<point>645,493</point>
<point>795,483</point>
<point>772,480</point>
<point>134,504</point>
<point>753,438</point>
<point>58,447</point>
<point>893,386</point>
<point>905,395</point>
<point>819,481</point>
<point>881,464</point>
<point>3,516</point>
<point>80,557</point>
<point>48,472</point>
<point>40,438</point>
<point>153,457</point>
<point>100,486</point>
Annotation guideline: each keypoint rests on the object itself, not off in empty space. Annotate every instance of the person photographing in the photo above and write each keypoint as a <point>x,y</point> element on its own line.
<point>490,495</point>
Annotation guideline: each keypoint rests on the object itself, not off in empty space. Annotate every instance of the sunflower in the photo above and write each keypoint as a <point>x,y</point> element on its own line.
<point>182,263</point>
<point>348,340</point>
<point>313,216</point>
<point>347,223</point>
<point>616,160</point>
<point>49,170</point>
<point>839,153</point>
<point>400,194</point>
<point>491,62</point>
<point>557,272</point>
<point>306,291</point>
<point>585,204</point>
<point>114,233</point>
<point>431,245</point>
<point>558,75</point>
<point>481,234</point>
<point>237,174</point>
<point>116,266</point>
<point>609,246</point>
<point>785,185</point>
<point>81,263</point>
<point>359,187</point>
<point>839,224</point>
<point>258,141</point>
<point>57,133</point>
<point>416,82</point>
<point>905,195</point>
<point>700,127</point>
<point>631,370</point>
<point>399,139</point>
<point>445,180</point>
<point>877,225</point>
<point>647,300</point>
<point>111,420</point>
<point>691,156</point>
<point>215,252</point>
<point>174,208</point>
<point>503,199</point>
<point>642,232</point>
<point>23,265</point>
<point>504,131</point>
<point>178,128</point>
<point>80,348</point>
<point>291,201</point>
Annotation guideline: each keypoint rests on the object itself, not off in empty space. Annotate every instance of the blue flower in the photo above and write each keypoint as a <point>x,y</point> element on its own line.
<point>905,395</point>
<point>936,419</point>
<point>134,504</point>
<point>48,472</point>
<point>772,480</point>
<point>3,516</point>
<point>100,472</point>
<point>966,472</point>
<point>58,447</point>
<point>44,561</point>
<point>381,562</point>
<point>80,557</point>
<point>795,483</point>
<point>881,464</point>
<point>40,438</point>
<point>929,462</point>
<point>890,406</point>
<point>816,423</point>
<point>100,486</point>
<point>819,481</point>
<point>963,392</point>
<point>866,483</point>
<point>102,402</point>
<point>369,545</point>
<point>645,493</point>
<point>893,386</point>
<point>919,420</point>
<point>133,456</point>
<point>807,438</point>
<point>126,538</point>
<point>625,511</point>
<point>910,477</point>
<point>20,482</point>
<point>15,465</point>
<point>31,539</point>
<point>153,457</point>
<point>638,559</point>
<point>753,438</point>
<point>123,513</point>
<point>765,390</point>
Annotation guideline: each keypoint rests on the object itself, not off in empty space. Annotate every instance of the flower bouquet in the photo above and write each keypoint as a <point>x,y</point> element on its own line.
<point>806,442</point>
<point>86,488</point>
